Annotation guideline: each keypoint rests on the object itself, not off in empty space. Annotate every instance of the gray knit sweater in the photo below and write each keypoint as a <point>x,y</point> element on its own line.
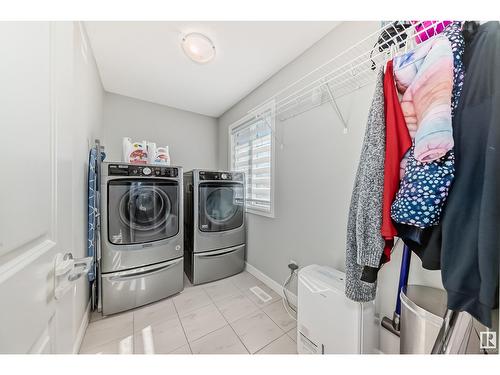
<point>365,244</point>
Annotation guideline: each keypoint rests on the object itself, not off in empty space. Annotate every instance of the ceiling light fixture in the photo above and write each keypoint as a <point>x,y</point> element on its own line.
<point>198,47</point>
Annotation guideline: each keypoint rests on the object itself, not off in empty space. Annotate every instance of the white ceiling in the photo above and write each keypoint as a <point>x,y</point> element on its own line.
<point>144,60</point>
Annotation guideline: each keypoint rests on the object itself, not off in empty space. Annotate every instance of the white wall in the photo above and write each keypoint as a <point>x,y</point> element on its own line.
<point>192,138</point>
<point>52,106</point>
<point>88,98</point>
<point>314,177</point>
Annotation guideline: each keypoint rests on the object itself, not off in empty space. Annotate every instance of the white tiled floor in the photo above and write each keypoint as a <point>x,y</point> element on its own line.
<point>223,317</point>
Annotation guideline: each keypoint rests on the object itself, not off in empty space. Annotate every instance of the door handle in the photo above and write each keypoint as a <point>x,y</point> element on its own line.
<point>67,270</point>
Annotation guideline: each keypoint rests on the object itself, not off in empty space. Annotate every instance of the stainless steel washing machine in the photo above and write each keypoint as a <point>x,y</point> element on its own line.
<point>141,258</point>
<point>214,225</point>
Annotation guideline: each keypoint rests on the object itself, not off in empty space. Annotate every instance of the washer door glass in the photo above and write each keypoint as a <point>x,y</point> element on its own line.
<point>141,211</point>
<point>221,206</point>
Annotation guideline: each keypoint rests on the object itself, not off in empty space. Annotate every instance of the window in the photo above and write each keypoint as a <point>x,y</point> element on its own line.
<point>251,145</point>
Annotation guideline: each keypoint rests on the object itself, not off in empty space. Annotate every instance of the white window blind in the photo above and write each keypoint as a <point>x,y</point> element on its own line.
<point>252,153</point>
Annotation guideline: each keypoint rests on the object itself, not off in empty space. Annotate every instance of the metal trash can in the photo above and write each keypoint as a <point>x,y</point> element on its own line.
<point>422,312</point>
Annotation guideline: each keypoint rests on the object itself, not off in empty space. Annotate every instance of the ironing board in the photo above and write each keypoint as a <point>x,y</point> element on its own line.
<point>95,157</point>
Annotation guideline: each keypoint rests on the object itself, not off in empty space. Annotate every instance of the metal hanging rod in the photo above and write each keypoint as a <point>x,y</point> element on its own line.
<point>348,71</point>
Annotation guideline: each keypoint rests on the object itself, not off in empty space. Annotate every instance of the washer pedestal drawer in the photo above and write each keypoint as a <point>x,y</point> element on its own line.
<point>217,264</point>
<point>128,289</point>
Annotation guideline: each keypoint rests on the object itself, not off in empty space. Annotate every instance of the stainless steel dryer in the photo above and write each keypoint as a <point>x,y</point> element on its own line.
<point>141,258</point>
<point>214,225</point>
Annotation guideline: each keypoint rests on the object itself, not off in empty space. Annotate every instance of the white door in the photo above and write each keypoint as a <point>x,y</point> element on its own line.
<point>36,80</point>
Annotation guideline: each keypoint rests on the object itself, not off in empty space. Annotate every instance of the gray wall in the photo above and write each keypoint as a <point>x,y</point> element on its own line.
<point>315,171</point>
<point>192,138</point>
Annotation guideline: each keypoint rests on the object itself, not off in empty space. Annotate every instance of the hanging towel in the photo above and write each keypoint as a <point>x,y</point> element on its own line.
<point>425,78</point>
<point>364,242</point>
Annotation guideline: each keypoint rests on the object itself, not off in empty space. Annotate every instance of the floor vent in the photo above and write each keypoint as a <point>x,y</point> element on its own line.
<point>263,296</point>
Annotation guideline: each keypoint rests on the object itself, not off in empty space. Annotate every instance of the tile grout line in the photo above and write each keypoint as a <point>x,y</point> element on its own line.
<point>227,321</point>
<point>283,331</point>
<point>133,331</point>
<point>182,326</point>
<point>201,307</point>
<point>108,341</point>
<point>217,308</point>
<point>243,290</point>
<point>261,309</point>
<point>270,317</point>
<point>276,339</point>
<point>151,322</point>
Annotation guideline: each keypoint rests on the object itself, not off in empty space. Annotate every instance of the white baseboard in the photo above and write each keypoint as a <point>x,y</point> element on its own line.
<point>81,331</point>
<point>270,283</point>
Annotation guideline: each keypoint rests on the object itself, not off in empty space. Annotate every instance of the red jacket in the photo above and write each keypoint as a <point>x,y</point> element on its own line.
<point>397,143</point>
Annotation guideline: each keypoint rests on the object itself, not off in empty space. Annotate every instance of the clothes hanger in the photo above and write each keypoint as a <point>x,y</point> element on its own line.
<point>392,54</point>
<point>393,34</point>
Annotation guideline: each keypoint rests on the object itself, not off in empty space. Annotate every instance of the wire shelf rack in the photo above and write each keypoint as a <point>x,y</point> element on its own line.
<point>352,69</point>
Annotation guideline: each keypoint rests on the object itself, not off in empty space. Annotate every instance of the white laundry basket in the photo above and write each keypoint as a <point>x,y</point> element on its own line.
<point>422,312</point>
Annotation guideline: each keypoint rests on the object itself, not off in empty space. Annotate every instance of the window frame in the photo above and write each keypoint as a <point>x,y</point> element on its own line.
<point>268,107</point>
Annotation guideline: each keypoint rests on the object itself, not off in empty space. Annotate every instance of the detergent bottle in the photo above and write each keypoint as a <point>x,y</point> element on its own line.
<point>158,155</point>
<point>162,156</point>
<point>135,152</point>
<point>126,146</point>
<point>151,152</point>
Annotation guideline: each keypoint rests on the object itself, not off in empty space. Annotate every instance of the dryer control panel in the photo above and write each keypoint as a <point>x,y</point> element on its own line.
<point>142,170</point>
<point>220,176</point>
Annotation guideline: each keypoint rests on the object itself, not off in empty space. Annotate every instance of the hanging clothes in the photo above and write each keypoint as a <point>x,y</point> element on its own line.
<point>398,142</point>
<point>427,243</point>
<point>454,34</point>
<point>364,242</point>
<point>423,191</point>
<point>425,186</point>
<point>427,29</point>
<point>425,78</point>
<point>469,239</point>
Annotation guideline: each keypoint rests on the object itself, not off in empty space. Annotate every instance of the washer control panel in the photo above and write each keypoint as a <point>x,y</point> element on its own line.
<point>141,170</point>
<point>220,176</point>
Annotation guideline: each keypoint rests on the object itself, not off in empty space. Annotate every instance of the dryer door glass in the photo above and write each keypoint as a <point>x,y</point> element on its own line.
<point>141,211</point>
<point>221,206</point>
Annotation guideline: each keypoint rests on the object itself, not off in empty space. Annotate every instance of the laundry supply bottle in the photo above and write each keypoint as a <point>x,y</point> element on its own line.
<point>162,156</point>
<point>135,152</point>
<point>158,155</point>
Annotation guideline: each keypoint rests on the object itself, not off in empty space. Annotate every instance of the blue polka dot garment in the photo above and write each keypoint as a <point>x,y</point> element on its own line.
<point>454,34</point>
<point>425,186</point>
<point>423,191</point>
